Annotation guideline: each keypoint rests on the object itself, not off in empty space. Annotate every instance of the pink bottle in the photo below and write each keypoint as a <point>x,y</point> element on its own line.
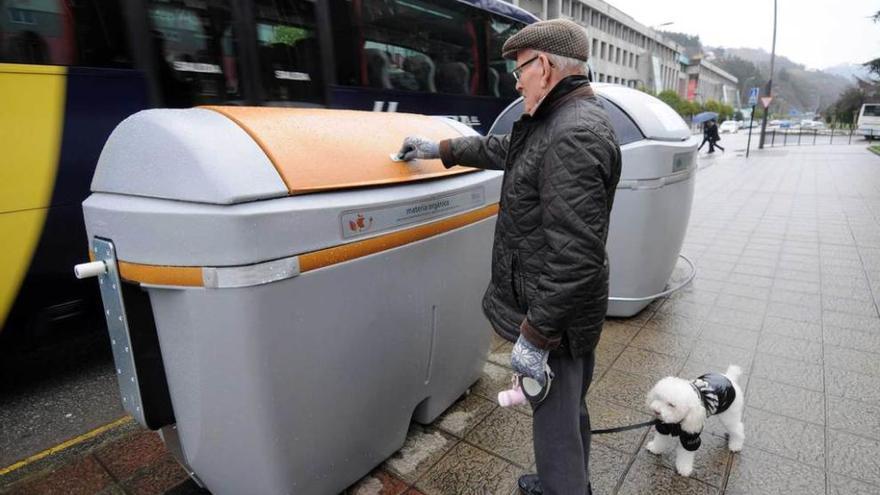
<point>513,396</point>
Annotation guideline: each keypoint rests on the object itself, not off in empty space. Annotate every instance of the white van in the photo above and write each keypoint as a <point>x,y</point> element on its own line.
<point>869,121</point>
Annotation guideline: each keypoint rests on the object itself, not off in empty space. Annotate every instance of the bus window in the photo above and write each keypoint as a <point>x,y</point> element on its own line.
<point>196,52</point>
<point>500,81</point>
<point>412,45</point>
<point>55,32</point>
<point>289,55</point>
<point>871,111</point>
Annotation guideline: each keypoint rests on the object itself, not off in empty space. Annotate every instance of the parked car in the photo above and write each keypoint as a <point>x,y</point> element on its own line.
<point>728,126</point>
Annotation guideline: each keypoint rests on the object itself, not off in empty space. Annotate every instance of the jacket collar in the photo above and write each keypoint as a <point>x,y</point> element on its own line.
<point>565,90</point>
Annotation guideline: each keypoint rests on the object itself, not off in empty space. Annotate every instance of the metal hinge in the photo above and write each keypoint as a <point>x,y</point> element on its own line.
<point>117,324</point>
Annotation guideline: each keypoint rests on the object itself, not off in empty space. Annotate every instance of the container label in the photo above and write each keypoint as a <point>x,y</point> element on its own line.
<point>357,223</point>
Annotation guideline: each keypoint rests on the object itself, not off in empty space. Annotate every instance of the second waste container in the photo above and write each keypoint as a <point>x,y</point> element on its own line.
<point>310,296</point>
<point>652,205</point>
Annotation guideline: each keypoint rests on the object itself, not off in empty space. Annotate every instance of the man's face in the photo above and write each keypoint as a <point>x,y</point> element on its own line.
<point>531,85</point>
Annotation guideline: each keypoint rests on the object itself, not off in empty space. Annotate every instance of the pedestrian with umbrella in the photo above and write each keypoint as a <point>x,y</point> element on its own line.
<point>710,130</point>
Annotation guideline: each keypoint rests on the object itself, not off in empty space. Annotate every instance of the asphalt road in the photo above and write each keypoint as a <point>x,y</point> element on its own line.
<point>50,395</point>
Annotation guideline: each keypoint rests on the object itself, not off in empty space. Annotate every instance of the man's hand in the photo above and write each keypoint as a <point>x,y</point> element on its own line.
<point>528,360</point>
<point>418,147</point>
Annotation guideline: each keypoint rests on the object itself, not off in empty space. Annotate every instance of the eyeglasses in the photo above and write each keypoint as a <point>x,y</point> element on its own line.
<point>517,72</point>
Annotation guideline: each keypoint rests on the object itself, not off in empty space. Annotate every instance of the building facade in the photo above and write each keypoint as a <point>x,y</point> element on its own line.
<point>622,50</point>
<point>706,81</point>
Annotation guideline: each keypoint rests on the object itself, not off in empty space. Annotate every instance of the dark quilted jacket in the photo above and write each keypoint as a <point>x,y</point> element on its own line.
<point>549,266</point>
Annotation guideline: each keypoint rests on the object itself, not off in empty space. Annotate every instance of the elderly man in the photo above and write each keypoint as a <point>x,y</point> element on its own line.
<point>549,287</point>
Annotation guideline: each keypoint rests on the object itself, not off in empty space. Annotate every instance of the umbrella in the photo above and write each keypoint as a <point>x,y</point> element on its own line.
<point>704,116</point>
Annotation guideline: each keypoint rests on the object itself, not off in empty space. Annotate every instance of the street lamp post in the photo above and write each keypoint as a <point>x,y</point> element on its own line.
<point>769,81</point>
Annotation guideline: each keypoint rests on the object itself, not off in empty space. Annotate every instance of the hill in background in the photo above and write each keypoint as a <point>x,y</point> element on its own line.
<point>795,88</point>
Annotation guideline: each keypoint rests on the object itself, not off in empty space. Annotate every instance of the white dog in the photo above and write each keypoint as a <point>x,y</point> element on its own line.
<point>682,407</point>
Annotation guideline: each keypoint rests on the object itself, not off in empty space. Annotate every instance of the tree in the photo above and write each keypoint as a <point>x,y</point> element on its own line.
<point>671,98</point>
<point>874,65</point>
<point>847,106</point>
<point>726,112</point>
<point>712,106</point>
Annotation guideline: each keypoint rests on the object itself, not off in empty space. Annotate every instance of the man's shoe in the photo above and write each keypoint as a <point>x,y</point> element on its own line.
<point>529,484</point>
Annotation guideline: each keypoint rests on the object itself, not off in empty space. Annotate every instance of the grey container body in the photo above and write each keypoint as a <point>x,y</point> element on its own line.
<point>304,385</point>
<point>282,380</point>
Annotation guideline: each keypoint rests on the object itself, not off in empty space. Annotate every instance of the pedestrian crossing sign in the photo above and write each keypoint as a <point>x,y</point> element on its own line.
<point>753,97</point>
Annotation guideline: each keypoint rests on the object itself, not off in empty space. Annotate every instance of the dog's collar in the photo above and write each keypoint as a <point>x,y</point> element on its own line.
<point>690,441</point>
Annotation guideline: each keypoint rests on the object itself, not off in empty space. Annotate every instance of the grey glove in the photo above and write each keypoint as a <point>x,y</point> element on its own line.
<point>418,147</point>
<point>528,360</point>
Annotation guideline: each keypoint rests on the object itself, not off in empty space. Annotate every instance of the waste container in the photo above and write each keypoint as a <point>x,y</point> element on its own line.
<point>307,296</point>
<point>652,204</point>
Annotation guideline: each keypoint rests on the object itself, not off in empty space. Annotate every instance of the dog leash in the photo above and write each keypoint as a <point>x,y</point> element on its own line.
<point>625,428</point>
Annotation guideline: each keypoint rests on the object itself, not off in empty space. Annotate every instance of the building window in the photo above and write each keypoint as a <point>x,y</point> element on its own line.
<point>585,15</point>
<point>595,51</point>
<point>566,7</point>
<point>617,56</point>
<point>637,62</point>
<point>602,52</point>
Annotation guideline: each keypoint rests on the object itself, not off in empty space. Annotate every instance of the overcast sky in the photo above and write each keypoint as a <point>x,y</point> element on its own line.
<point>816,33</point>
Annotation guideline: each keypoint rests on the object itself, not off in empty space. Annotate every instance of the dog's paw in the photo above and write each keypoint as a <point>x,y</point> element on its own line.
<point>735,444</point>
<point>654,448</point>
<point>684,468</point>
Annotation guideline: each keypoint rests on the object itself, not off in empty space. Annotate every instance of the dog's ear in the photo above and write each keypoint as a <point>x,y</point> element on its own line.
<point>694,419</point>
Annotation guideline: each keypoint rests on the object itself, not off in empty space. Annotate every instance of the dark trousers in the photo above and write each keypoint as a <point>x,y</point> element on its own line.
<point>561,427</point>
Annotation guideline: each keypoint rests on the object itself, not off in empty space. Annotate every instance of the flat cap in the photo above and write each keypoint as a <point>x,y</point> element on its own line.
<point>557,36</point>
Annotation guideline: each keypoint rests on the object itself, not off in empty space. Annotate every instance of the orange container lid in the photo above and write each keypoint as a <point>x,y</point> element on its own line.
<point>318,150</point>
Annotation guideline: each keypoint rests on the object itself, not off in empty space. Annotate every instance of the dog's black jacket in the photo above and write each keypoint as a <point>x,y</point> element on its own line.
<point>717,394</point>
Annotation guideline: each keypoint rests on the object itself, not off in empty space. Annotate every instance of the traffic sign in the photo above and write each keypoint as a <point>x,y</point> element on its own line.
<point>765,101</point>
<point>753,96</point>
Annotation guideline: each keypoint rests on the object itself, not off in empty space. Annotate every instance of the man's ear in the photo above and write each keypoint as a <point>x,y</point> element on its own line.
<point>545,68</point>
